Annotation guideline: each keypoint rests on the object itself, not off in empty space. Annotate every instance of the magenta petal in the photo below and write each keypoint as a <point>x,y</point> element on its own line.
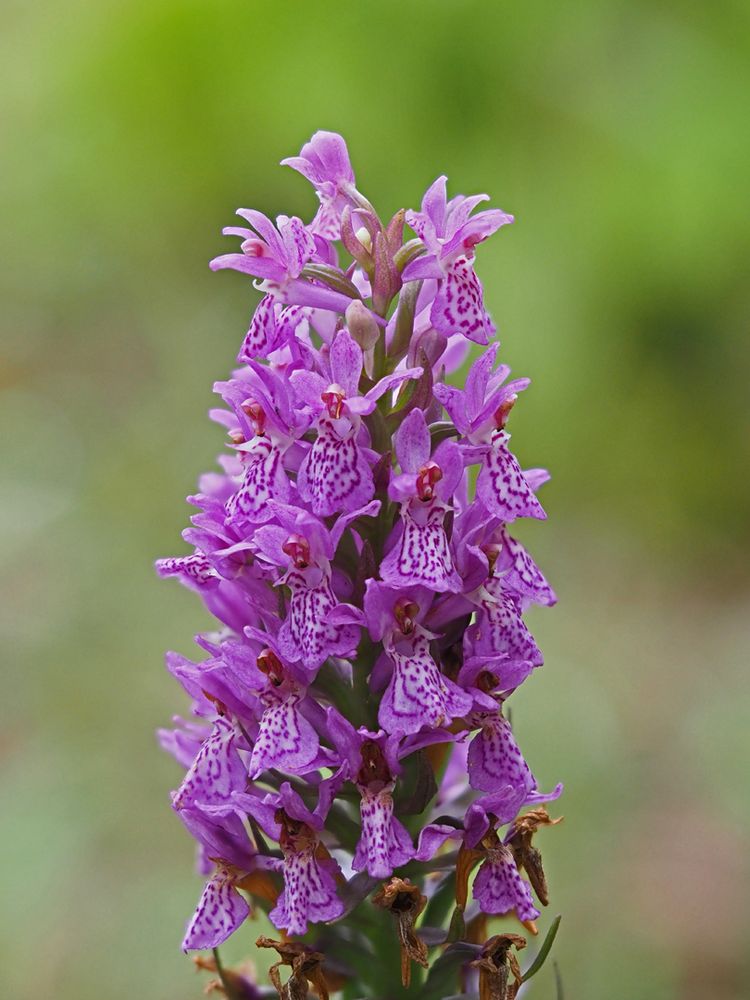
<point>346,362</point>
<point>264,479</point>
<point>309,893</point>
<point>285,739</point>
<point>502,486</point>
<point>216,771</point>
<point>421,554</point>
<point>335,476</point>
<point>521,574</point>
<point>412,440</point>
<point>220,911</point>
<point>494,760</point>
<point>307,635</point>
<point>500,630</point>
<point>262,337</point>
<point>195,569</point>
<point>418,694</point>
<point>384,844</point>
<point>459,304</point>
<point>498,887</point>
<point>432,838</point>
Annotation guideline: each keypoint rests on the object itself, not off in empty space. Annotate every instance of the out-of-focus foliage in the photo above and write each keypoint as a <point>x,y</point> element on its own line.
<point>617,133</point>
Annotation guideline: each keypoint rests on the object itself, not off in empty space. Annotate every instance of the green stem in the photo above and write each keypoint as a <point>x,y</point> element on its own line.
<point>229,989</point>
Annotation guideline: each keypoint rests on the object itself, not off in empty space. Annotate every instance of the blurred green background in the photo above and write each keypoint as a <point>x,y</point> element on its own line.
<point>617,132</point>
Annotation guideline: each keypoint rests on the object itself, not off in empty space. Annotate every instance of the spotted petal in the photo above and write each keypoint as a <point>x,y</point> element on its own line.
<point>500,630</point>
<point>335,476</point>
<point>220,911</point>
<point>459,304</point>
<point>498,888</point>
<point>502,486</point>
<point>309,892</point>
<point>421,555</point>
<point>307,634</point>
<point>263,335</point>
<point>264,480</point>
<point>418,694</point>
<point>495,761</point>
<point>521,574</point>
<point>216,771</point>
<point>285,738</point>
<point>384,843</point>
<point>195,569</point>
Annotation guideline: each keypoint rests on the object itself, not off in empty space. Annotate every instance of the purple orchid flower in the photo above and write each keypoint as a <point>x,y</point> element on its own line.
<point>276,255</point>
<point>354,546</point>
<point>324,161</point>
<point>480,412</point>
<point>372,762</point>
<point>318,624</point>
<point>263,426</point>
<point>494,759</point>
<point>309,875</point>
<point>335,475</point>
<point>217,770</point>
<point>450,233</point>
<point>220,911</point>
<point>418,694</point>
<point>285,739</point>
<point>420,552</point>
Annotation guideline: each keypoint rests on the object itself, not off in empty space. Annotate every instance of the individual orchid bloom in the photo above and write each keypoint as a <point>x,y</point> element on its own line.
<point>450,233</point>
<point>372,764</point>
<point>356,550</point>
<point>324,161</point>
<point>335,475</point>
<point>420,552</point>
<point>217,770</point>
<point>262,425</point>
<point>498,887</point>
<point>480,412</point>
<point>318,625</point>
<point>418,694</point>
<point>308,870</point>
<point>220,911</point>
<point>285,740</point>
<point>275,256</point>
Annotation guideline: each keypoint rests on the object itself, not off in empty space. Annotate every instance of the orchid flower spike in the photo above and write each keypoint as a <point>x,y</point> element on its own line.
<point>347,753</point>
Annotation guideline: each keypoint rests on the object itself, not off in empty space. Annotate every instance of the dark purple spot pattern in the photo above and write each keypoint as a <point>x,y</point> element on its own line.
<point>335,475</point>
<point>521,574</point>
<point>418,694</point>
<point>459,304</point>
<point>216,771</point>
<point>498,887</point>
<point>194,568</point>
<point>220,911</point>
<point>502,486</point>
<point>309,892</point>
<point>306,634</point>
<point>494,759</point>
<point>285,739</point>
<point>422,555</point>
<point>264,479</point>
<point>500,630</point>
<point>384,843</point>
